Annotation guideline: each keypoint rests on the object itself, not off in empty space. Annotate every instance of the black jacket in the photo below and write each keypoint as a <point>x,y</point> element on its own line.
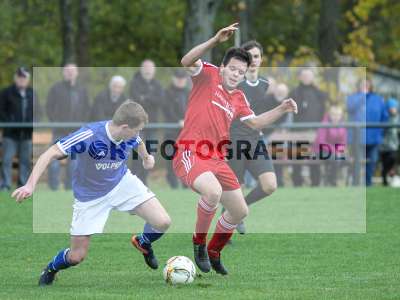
<point>15,108</point>
<point>66,103</point>
<point>175,102</point>
<point>311,103</point>
<point>270,103</point>
<point>174,108</point>
<point>149,94</point>
<point>103,107</point>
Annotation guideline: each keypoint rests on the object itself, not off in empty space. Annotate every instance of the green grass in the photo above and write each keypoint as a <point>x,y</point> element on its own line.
<point>262,266</point>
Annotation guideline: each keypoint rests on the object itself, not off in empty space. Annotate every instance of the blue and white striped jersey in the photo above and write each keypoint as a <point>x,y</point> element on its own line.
<point>99,161</point>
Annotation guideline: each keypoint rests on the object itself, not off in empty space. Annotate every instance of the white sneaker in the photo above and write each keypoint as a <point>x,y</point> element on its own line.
<point>395,181</point>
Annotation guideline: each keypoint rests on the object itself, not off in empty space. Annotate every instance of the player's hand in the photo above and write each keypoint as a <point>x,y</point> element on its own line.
<point>148,162</point>
<point>225,33</point>
<point>22,193</point>
<point>289,105</point>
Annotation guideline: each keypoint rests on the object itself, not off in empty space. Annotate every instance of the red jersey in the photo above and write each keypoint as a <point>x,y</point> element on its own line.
<point>210,112</point>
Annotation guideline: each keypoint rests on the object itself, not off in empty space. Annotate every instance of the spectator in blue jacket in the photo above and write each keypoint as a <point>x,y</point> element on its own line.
<point>367,106</point>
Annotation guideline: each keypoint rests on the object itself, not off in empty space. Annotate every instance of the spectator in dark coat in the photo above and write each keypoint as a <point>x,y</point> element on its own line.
<point>391,141</point>
<point>311,103</point>
<point>148,92</point>
<point>272,100</point>
<point>67,101</point>
<point>175,102</point>
<point>107,101</point>
<point>18,103</point>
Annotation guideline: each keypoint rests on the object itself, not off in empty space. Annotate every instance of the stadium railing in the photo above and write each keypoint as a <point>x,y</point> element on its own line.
<point>355,161</point>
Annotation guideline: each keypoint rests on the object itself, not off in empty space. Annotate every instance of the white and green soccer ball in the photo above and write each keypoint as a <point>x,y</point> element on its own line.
<point>179,270</point>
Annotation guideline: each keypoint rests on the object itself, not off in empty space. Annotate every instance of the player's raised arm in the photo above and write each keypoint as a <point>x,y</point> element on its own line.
<point>192,58</point>
<point>44,160</point>
<point>269,117</point>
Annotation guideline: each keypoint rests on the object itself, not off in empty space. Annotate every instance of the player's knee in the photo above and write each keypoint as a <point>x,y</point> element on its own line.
<point>269,186</point>
<point>164,224</point>
<point>243,213</point>
<point>213,196</point>
<point>239,214</point>
<point>76,257</point>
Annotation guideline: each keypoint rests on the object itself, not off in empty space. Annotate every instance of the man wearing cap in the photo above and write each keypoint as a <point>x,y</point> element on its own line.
<point>18,103</point>
<point>174,107</point>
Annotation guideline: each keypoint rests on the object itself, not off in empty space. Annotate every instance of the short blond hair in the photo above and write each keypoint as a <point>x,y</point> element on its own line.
<point>130,113</point>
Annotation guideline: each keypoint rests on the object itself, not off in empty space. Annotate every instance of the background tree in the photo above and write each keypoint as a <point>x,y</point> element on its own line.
<point>328,31</point>
<point>67,31</point>
<point>82,39</point>
<point>199,23</point>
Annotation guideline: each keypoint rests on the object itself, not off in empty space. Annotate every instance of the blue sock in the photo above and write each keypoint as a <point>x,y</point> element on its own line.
<point>149,235</point>
<point>59,261</point>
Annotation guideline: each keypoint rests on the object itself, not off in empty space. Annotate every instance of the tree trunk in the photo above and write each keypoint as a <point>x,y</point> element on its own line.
<point>199,23</point>
<point>67,31</point>
<point>328,31</point>
<point>82,39</point>
<point>246,14</point>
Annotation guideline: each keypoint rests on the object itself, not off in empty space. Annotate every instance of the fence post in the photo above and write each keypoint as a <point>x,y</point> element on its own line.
<point>357,156</point>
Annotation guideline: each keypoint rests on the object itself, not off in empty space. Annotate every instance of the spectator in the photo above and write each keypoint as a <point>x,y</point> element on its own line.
<point>390,144</point>
<point>271,85</point>
<point>329,146</point>
<point>176,97</point>
<point>18,103</point>
<point>272,100</point>
<point>107,101</point>
<point>148,92</point>
<point>67,101</point>
<point>367,106</point>
<point>311,103</point>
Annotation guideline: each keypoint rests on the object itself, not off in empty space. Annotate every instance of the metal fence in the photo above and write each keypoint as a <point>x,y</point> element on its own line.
<point>358,157</point>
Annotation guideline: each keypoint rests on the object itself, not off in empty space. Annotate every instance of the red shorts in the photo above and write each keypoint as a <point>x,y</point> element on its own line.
<point>188,166</point>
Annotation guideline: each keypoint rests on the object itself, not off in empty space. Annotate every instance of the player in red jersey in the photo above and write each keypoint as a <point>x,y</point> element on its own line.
<point>201,146</point>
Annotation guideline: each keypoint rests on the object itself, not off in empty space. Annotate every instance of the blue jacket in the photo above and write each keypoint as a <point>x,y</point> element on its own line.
<point>368,107</point>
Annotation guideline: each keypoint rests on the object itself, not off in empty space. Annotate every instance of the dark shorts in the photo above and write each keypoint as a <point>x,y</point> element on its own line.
<point>257,164</point>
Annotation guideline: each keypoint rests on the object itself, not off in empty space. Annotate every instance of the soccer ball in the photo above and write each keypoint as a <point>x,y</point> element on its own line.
<point>179,270</point>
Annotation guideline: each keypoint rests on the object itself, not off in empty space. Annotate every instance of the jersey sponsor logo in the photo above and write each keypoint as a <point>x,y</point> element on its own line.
<point>109,165</point>
<point>225,105</point>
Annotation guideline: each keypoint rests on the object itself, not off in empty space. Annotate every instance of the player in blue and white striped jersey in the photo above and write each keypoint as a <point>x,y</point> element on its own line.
<point>101,183</point>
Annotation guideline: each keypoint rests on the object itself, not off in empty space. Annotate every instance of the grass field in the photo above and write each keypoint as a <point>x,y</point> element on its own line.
<point>262,266</point>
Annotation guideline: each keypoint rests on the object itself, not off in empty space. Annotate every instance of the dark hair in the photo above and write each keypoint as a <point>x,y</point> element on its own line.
<point>252,44</point>
<point>238,53</point>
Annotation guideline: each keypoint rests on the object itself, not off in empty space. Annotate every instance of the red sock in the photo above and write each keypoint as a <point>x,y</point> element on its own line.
<point>222,234</point>
<point>205,214</point>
